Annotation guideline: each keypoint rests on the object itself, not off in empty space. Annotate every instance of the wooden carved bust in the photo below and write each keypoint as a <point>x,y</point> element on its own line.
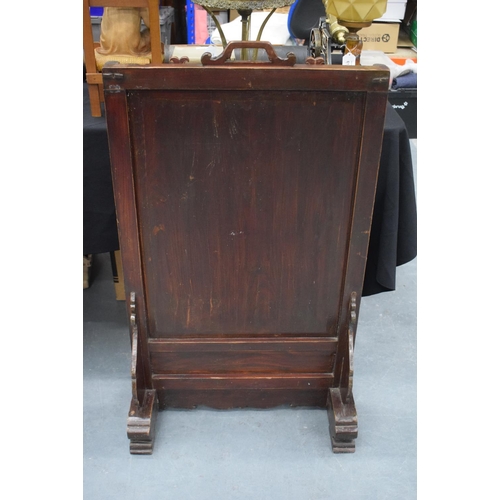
<point>121,37</point>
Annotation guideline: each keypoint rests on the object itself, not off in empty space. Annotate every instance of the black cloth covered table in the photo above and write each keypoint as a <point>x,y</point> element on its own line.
<point>393,240</point>
<point>100,234</point>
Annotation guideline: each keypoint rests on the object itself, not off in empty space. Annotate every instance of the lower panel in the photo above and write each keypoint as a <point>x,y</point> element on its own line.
<point>226,391</point>
<point>245,355</point>
<point>228,399</point>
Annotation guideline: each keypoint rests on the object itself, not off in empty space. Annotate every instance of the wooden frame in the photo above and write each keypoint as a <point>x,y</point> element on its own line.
<point>244,195</point>
<point>94,77</point>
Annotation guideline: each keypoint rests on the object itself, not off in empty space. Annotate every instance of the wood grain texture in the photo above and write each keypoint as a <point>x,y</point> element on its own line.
<point>243,356</point>
<point>303,77</point>
<point>242,391</point>
<point>225,399</point>
<point>244,198</point>
<point>243,232</point>
<point>126,218</point>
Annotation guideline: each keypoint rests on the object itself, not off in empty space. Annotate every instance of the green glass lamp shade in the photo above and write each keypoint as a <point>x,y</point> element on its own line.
<point>356,11</point>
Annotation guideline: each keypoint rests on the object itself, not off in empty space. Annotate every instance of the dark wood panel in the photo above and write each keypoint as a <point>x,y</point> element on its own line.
<point>243,232</point>
<point>228,399</point>
<point>242,362</point>
<point>240,391</point>
<point>194,78</point>
<point>295,381</point>
<point>242,356</point>
<point>203,344</point>
<point>120,150</point>
<point>360,226</point>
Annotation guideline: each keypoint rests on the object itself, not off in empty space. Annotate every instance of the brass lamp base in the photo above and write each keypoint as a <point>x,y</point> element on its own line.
<point>354,25</point>
<point>353,48</point>
<point>245,9</point>
<point>354,15</point>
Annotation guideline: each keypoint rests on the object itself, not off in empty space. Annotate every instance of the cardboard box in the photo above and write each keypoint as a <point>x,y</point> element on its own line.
<point>380,36</point>
<point>395,10</point>
<point>233,14</point>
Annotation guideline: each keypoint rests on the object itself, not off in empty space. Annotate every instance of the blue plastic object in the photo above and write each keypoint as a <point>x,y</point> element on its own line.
<point>290,16</point>
<point>96,11</point>
<point>190,22</point>
<point>303,16</point>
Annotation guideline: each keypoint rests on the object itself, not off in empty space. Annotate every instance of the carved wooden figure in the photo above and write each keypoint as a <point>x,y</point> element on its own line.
<point>244,194</point>
<point>121,40</point>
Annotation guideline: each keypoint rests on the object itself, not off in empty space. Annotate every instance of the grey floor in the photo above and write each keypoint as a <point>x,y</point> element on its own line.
<point>274,454</point>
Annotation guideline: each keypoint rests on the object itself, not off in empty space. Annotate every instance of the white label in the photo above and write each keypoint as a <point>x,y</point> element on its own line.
<point>349,60</point>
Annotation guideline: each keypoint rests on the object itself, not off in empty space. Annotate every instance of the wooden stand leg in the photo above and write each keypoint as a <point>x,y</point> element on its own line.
<point>141,424</point>
<point>343,422</point>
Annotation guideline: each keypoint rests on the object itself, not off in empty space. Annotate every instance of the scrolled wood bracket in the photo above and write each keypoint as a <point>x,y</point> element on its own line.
<point>342,415</point>
<point>177,60</point>
<point>135,340</point>
<point>351,329</point>
<point>315,61</point>
<point>225,57</point>
<point>141,419</point>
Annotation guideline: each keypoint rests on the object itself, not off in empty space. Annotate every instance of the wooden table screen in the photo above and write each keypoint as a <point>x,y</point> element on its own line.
<point>244,196</point>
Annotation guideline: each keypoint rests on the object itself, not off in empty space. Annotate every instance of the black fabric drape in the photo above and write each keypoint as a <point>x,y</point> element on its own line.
<point>393,238</point>
<point>100,234</point>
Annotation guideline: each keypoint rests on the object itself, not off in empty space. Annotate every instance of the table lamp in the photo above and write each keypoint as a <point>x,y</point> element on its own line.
<point>354,15</point>
<point>244,8</point>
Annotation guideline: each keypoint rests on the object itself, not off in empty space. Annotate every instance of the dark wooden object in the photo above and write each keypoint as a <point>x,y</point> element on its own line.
<point>244,197</point>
